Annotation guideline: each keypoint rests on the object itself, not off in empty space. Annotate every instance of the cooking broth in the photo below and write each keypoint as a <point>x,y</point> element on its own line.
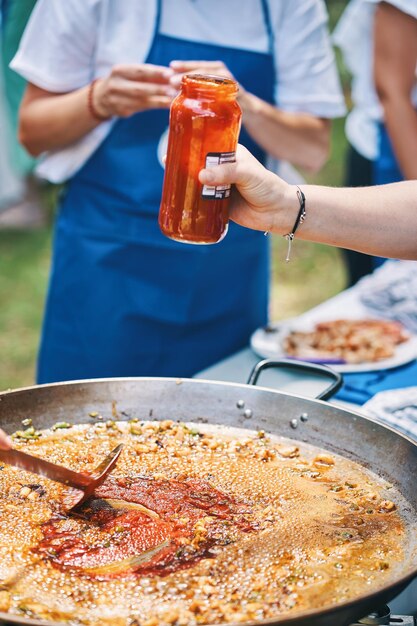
<point>196,525</point>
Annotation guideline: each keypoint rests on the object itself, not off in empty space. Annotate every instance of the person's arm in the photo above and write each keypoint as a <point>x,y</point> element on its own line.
<point>51,121</point>
<point>300,138</point>
<point>395,59</point>
<point>375,220</point>
<point>5,441</point>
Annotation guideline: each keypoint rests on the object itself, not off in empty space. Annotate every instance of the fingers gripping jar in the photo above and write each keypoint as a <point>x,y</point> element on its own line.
<point>203,131</point>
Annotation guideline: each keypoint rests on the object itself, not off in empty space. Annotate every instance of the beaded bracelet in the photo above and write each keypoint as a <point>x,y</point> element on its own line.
<point>90,104</point>
<point>300,219</point>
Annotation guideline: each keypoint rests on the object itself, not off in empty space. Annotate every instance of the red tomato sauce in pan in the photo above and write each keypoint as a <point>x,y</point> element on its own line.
<point>181,523</point>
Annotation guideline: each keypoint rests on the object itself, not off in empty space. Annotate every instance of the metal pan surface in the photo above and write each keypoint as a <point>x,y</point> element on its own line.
<point>343,432</point>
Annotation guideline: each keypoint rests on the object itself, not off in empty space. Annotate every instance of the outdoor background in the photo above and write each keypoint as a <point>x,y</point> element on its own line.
<point>314,274</point>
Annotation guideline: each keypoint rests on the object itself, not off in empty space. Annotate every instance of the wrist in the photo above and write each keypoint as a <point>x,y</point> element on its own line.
<point>97,101</point>
<point>287,207</point>
<point>249,103</point>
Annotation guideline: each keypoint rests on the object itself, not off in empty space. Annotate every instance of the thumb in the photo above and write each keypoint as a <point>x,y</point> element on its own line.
<point>227,173</point>
<point>238,173</point>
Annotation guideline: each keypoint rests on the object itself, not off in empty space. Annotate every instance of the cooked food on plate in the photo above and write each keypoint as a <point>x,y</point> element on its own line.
<point>349,341</point>
<point>196,525</point>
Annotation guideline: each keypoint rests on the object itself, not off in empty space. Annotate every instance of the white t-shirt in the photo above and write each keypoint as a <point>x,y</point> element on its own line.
<point>67,43</point>
<point>354,36</point>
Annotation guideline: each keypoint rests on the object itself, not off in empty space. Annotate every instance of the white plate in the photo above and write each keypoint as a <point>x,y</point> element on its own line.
<point>269,345</point>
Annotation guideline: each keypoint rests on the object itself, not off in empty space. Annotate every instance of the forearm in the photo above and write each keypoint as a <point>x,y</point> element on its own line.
<point>299,138</point>
<point>49,121</point>
<point>376,220</point>
<point>401,122</point>
<point>55,121</point>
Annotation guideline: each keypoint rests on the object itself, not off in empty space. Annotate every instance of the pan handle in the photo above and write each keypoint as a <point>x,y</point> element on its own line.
<point>300,366</point>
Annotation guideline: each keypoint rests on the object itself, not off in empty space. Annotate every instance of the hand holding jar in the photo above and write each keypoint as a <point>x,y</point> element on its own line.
<point>344,217</point>
<point>259,194</point>
<point>204,128</point>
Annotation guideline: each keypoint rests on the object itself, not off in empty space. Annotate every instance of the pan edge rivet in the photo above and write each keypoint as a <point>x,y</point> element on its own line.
<point>247,413</point>
<point>240,404</point>
<point>304,417</point>
<point>294,423</point>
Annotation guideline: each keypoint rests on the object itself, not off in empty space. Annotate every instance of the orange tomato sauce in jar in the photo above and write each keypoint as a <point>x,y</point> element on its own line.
<point>203,131</point>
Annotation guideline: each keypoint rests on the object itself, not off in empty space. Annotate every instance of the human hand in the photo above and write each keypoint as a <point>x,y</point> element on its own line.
<point>129,89</point>
<point>261,200</point>
<point>5,441</point>
<point>216,68</point>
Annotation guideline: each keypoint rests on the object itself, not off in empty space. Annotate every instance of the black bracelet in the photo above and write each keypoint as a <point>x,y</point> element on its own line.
<point>300,219</point>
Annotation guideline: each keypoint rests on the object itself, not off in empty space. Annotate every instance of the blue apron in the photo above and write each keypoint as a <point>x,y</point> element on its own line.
<point>359,388</point>
<point>124,300</point>
<point>385,167</point>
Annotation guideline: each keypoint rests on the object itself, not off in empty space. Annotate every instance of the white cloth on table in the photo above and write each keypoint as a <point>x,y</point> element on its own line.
<point>396,408</point>
<point>391,292</point>
<point>68,43</point>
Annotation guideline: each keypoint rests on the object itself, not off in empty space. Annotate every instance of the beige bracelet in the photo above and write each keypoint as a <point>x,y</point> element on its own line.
<point>90,103</point>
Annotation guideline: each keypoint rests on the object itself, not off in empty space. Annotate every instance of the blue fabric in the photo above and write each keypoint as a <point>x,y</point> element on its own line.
<point>386,168</point>
<point>359,388</point>
<point>123,299</point>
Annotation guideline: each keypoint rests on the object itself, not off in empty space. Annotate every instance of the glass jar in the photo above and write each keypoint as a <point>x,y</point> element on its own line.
<point>203,131</point>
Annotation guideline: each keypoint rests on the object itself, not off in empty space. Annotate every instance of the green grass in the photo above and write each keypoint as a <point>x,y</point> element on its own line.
<point>24,267</point>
